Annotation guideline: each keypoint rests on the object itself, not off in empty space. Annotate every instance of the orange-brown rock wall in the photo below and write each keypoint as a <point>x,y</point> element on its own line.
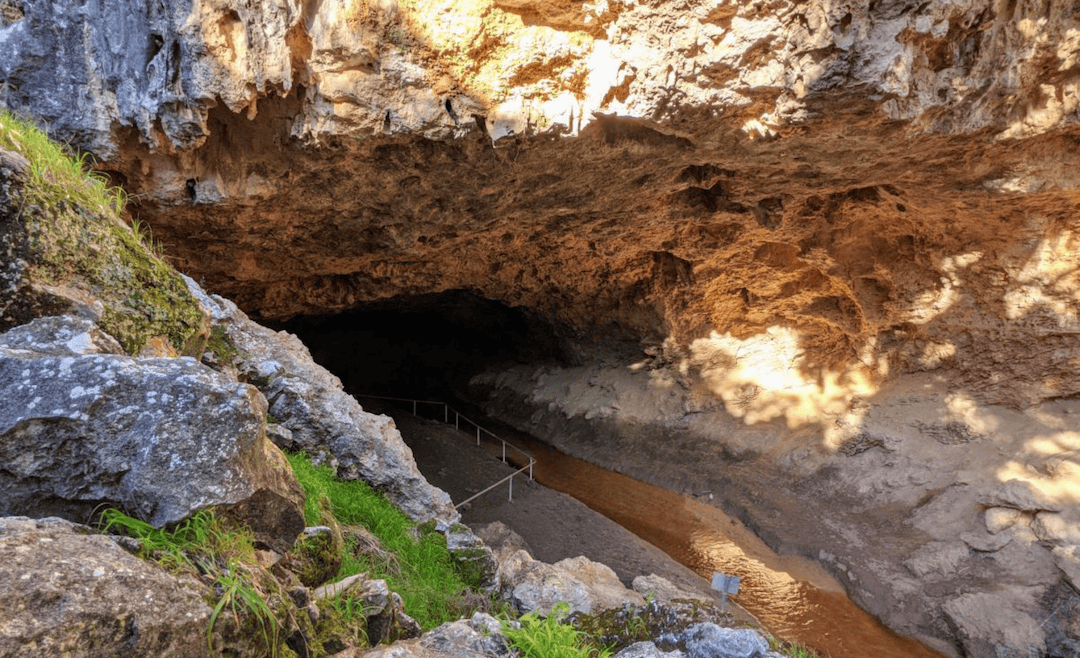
<point>893,182</point>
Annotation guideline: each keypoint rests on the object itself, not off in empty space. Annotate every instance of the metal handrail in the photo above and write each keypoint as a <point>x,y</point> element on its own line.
<point>508,478</point>
<point>458,417</point>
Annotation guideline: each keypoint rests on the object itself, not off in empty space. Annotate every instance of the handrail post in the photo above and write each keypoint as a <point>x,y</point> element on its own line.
<point>531,462</point>
<point>504,451</point>
<point>477,435</point>
<point>414,407</point>
<point>446,413</point>
<point>511,488</point>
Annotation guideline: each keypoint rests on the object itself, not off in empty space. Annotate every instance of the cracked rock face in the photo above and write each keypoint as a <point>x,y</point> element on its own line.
<point>158,438</point>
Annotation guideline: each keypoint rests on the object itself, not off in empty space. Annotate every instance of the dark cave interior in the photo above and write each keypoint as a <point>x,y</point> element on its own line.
<point>426,346</point>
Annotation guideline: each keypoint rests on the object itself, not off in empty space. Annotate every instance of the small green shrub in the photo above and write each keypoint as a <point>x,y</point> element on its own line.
<point>551,637</point>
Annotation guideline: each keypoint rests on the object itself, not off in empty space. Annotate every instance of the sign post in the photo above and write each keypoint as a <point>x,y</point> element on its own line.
<point>726,585</point>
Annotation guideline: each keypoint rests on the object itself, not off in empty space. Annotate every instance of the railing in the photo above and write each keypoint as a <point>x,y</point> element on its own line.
<point>458,418</point>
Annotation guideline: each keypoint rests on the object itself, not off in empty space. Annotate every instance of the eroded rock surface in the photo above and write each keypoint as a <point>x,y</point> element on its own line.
<point>947,529</point>
<point>387,66</point>
<point>101,601</point>
<point>855,245</point>
<point>158,438</point>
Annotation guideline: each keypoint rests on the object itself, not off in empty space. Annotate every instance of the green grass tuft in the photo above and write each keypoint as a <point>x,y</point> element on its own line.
<point>214,545</point>
<point>58,172</point>
<point>421,570</point>
<point>77,240</point>
<point>204,534</point>
<point>241,596</point>
<point>550,638</point>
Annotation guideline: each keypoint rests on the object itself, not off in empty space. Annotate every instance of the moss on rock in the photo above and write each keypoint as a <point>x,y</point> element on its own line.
<point>67,248</point>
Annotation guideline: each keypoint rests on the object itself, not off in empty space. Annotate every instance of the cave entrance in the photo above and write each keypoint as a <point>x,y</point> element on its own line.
<point>430,346</point>
<point>426,346</point>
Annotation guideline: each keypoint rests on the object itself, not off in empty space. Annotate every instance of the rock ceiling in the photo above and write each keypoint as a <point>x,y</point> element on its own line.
<point>858,189</point>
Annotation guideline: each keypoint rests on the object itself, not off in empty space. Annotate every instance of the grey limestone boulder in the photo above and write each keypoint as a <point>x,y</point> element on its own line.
<point>61,335</point>
<point>158,438</point>
<point>478,635</point>
<point>648,650</point>
<point>711,641</point>
<point>68,591</point>
<point>464,638</point>
<point>585,585</point>
<point>323,420</point>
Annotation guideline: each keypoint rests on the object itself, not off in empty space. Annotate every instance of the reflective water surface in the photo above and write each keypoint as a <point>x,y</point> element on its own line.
<point>794,598</point>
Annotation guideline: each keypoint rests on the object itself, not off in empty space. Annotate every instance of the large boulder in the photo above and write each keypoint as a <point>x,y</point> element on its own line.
<point>323,420</point>
<point>465,638</point>
<point>66,591</point>
<point>586,586</point>
<point>529,584</point>
<point>81,425</point>
<point>708,640</point>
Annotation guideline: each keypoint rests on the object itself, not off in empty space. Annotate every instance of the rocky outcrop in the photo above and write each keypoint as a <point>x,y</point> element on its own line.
<point>852,248</point>
<point>321,418</point>
<point>162,70</point>
<point>531,585</point>
<point>836,239</point>
<point>158,438</point>
<point>66,251</point>
<point>67,590</point>
<point>481,636</point>
<point>585,585</point>
<point>674,224</point>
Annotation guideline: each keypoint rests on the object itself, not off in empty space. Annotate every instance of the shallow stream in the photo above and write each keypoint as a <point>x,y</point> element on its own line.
<point>792,597</point>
